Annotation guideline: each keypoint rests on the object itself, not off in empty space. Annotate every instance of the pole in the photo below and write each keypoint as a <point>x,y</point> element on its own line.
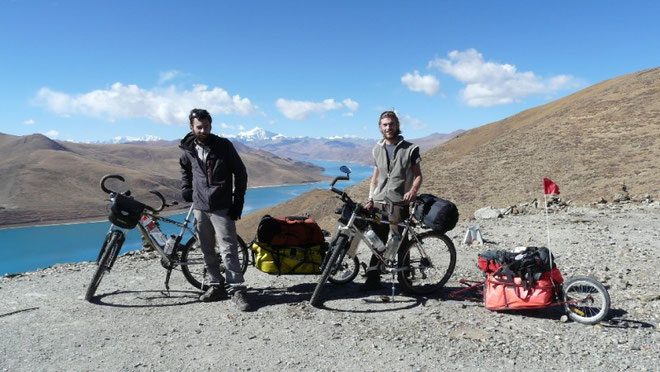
<point>547,224</point>
<point>547,228</point>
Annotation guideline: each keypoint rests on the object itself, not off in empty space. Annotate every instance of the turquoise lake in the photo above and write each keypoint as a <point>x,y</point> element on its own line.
<point>30,248</point>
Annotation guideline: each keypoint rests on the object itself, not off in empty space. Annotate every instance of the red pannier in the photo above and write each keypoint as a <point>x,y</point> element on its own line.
<point>500,293</point>
<point>289,231</point>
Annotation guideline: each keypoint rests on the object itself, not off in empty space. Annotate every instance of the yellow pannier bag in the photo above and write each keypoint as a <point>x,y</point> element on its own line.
<point>288,260</point>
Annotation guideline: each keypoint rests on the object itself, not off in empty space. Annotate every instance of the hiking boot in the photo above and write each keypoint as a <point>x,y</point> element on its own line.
<point>214,293</point>
<point>372,283</point>
<point>239,299</point>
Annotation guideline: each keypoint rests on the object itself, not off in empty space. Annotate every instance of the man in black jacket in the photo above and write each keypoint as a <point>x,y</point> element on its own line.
<point>214,180</point>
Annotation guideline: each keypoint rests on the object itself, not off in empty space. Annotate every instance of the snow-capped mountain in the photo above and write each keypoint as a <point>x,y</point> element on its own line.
<point>127,139</point>
<point>257,134</point>
<point>338,148</point>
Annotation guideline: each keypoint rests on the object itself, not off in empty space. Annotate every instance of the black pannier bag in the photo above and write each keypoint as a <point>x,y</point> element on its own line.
<point>125,211</point>
<point>437,213</point>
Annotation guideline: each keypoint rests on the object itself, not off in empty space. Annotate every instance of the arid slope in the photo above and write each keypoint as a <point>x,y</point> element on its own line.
<point>590,143</point>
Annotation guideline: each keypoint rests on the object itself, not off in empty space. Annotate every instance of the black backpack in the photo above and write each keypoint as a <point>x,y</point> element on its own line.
<point>437,213</point>
<point>529,265</point>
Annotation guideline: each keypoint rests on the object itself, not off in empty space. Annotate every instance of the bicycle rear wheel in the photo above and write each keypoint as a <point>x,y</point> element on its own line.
<point>428,265</point>
<point>586,300</point>
<point>193,267</point>
<point>330,265</point>
<point>106,258</point>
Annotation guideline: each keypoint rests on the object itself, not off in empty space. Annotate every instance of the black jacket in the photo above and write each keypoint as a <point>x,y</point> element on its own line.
<point>212,183</point>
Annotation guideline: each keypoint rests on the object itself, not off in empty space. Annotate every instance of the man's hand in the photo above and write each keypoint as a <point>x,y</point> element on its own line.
<point>187,195</point>
<point>410,195</point>
<point>236,209</point>
<point>368,205</point>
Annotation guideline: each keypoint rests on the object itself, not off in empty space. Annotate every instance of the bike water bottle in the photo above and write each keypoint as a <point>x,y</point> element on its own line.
<point>392,245</point>
<point>374,240</point>
<point>154,230</point>
<point>169,245</point>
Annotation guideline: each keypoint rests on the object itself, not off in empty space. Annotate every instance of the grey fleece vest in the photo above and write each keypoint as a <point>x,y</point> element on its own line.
<point>395,177</point>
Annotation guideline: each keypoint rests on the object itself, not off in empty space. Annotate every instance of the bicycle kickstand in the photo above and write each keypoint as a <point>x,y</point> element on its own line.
<point>167,281</point>
<point>393,278</point>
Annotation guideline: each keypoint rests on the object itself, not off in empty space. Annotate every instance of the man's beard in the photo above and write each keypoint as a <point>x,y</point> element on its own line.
<point>202,138</point>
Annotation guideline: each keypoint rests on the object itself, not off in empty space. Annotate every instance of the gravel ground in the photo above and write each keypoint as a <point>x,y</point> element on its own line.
<point>47,325</point>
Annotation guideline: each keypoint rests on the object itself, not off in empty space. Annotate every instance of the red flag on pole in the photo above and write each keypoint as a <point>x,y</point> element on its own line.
<point>550,187</point>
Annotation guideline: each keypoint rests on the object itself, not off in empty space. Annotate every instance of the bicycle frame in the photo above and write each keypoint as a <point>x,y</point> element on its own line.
<point>147,237</point>
<point>352,232</point>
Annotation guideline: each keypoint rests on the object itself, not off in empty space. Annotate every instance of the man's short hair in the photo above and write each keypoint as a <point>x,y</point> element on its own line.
<point>392,116</point>
<point>199,114</point>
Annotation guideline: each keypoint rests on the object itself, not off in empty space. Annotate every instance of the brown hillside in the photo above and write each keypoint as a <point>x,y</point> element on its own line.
<point>47,181</point>
<point>589,143</point>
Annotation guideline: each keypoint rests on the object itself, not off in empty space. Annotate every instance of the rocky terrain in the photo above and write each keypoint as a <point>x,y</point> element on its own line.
<point>134,326</point>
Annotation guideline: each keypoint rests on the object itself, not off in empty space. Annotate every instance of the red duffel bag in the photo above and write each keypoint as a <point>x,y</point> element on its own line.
<point>289,231</point>
<point>502,294</point>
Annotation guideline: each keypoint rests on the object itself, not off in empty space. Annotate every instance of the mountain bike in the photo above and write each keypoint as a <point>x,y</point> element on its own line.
<point>127,213</point>
<point>423,261</point>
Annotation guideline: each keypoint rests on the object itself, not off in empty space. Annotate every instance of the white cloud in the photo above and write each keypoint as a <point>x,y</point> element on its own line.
<point>351,105</point>
<point>491,83</point>
<point>348,114</point>
<point>28,122</point>
<point>166,76</point>
<point>300,110</point>
<point>52,134</point>
<point>418,83</point>
<point>167,106</point>
<point>409,121</point>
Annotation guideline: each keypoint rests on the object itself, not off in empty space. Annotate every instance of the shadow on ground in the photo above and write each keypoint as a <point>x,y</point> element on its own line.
<point>148,298</point>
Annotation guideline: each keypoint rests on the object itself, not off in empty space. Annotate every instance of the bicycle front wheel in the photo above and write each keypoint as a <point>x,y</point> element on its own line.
<point>192,262</point>
<point>330,264</point>
<point>427,264</point>
<point>109,251</point>
<point>586,300</point>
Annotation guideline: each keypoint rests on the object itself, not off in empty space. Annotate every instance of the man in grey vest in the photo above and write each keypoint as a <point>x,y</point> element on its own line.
<point>397,177</point>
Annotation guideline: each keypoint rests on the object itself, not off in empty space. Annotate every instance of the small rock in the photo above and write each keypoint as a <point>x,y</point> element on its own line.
<point>487,213</point>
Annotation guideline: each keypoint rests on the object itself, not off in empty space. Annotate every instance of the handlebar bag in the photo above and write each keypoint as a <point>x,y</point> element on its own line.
<point>289,231</point>
<point>288,260</point>
<point>437,213</point>
<point>125,211</point>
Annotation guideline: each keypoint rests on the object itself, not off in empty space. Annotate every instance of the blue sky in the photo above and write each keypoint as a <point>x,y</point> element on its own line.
<point>94,70</point>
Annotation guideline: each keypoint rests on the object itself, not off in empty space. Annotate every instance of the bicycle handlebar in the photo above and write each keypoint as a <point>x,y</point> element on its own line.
<point>160,196</point>
<point>162,201</point>
<point>338,178</point>
<point>107,177</point>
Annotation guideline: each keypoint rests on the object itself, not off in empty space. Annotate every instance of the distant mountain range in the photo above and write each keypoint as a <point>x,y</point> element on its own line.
<point>349,149</point>
<point>45,180</point>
